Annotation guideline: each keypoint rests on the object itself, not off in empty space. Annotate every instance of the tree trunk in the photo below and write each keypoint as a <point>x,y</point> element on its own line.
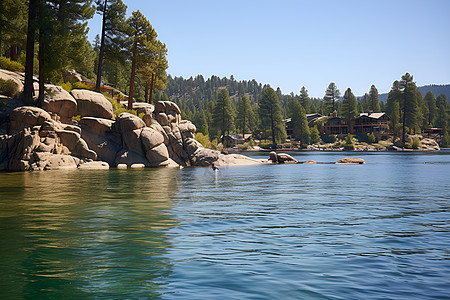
<point>40,101</point>
<point>28,88</point>
<point>102,49</point>
<point>146,92</point>
<point>14,53</point>
<point>133,73</point>
<point>151,89</point>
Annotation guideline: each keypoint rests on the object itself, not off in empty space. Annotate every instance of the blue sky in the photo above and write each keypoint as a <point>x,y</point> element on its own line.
<point>290,44</point>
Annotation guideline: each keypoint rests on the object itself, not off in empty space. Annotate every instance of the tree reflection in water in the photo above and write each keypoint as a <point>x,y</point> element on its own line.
<point>73,234</point>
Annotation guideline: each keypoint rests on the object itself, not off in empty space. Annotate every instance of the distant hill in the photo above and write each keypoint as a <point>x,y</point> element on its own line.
<point>436,89</point>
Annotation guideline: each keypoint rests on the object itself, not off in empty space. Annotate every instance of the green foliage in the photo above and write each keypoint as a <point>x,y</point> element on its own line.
<point>223,116</point>
<point>122,110</point>
<point>348,107</point>
<point>81,86</point>
<point>66,85</point>
<point>9,88</point>
<point>329,138</point>
<point>374,103</point>
<point>270,113</point>
<point>116,105</point>
<point>76,118</point>
<point>299,123</point>
<point>445,140</point>
<point>371,138</point>
<point>203,139</point>
<point>348,144</point>
<point>416,143</point>
<point>265,145</point>
<point>7,64</point>
<point>331,97</point>
<point>315,135</point>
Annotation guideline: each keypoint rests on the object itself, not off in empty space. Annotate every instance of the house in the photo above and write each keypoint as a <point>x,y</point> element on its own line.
<point>336,126</point>
<point>233,140</point>
<point>364,123</point>
<point>376,123</point>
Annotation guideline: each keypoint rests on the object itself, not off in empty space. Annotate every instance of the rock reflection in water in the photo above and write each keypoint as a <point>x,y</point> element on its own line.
<point>79,233</point>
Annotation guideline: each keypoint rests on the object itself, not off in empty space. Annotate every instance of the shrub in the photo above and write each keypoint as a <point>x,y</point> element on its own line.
<point>329,138</point>
<point>82,86</point>
<point>416,143</point>
<point>243,147</point>
<point>7,64</point>
<point>251,143</point>
<point>122,110</point>
<point>116,105</point>
<point>371,138</point>
<point>8,88</point>
<point>203,139</point>
<point>314,136</point>
<point>265,145</point>
<point>67,86</point>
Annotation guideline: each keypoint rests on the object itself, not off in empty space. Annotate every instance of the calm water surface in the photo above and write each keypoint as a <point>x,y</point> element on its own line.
<point>374,231</point>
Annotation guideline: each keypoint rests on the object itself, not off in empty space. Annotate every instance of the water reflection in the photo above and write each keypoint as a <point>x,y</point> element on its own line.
<point>85,233</point>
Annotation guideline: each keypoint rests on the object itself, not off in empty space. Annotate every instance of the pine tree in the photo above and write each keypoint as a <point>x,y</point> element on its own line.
<point>349,105</point>
<point>315,135</point>
<point>141,39</point>
<point>113,32</point>
<point>223,116</point>
<point>394,122</point>
<point>374,103</point>
<point>305,101</point>
<point>409,108</point>
<point>299,123</point>
<point>430,101</point>
<point>244,115</point>
<point>331,97</point>
<point>270,113</point>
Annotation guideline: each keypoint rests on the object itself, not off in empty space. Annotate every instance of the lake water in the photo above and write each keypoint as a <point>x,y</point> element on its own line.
<point>374,231</point>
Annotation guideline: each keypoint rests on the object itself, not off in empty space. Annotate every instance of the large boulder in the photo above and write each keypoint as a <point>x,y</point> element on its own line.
<point>151,138</point>
<point>143,108</point>
<point>61,103</point>
<point>127,122</point>
<point>105,147</point>
<point>350,161</point>
<point>281,158</point>
<point>98,126</point>
<point>77,146</point>
<point>27,117</point>
<point>429,145</point>
<point>92,104</point>
<point>158,155</point>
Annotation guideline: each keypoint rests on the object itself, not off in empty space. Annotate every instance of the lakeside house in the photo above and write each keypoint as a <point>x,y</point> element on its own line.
<point>233,140</point>
<point>364,123</point>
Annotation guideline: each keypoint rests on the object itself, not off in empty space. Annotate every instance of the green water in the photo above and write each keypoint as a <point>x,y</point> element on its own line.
<point>374,231</point>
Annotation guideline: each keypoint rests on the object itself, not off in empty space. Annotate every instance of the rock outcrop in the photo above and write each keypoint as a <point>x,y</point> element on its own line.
<point>281,158</point>
<point>351,161</point>
<point>92,104</point>
<point>46,140</point>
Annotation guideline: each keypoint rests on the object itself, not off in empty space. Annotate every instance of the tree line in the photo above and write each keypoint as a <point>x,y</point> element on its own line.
<point>223,105</point>
<point>50,37</point>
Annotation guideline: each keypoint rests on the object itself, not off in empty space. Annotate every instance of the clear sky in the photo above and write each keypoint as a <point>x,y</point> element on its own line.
<point>295,43</point>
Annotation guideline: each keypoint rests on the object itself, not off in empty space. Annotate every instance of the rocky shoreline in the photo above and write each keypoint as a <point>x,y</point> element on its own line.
<point>34,139</point>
